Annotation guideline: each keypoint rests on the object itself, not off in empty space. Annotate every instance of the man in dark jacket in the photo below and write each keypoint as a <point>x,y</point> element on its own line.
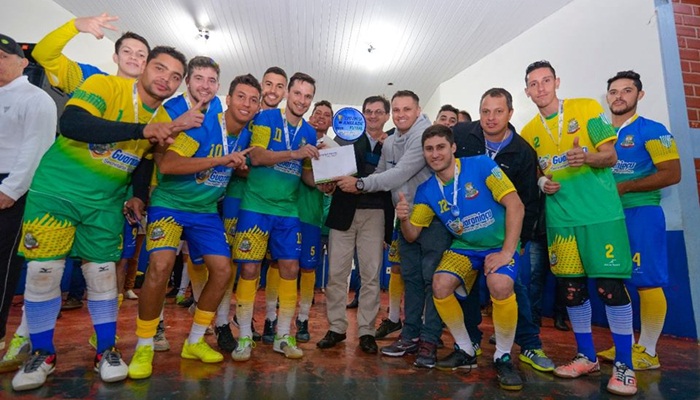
<point>494,136</point>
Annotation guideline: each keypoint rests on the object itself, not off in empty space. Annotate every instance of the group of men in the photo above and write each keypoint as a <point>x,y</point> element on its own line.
<point>466,197</point>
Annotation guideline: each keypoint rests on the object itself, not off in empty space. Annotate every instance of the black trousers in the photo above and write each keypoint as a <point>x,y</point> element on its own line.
<point>10,262</point>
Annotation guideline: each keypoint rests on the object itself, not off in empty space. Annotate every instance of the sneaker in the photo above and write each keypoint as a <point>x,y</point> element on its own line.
<point>224,338</point>
<point>580,365</point>
<point>160,343</point>
<point>186,303</point>
<point>477,349</point>
<point>256,335</point>
<point>141,365</point>
<point>623,381</point>
<point>71,304</point>
<point>129,294</point>
<point>243,350</point>
<point>492,339</point>
<point>386,327</point>
<point>641,360</point>
<point>456,360</point>
<point>287,345</point>
<point>34,371</point>
<point>303,335</point>
<point>200,351</point>
<point>427,355</point>
<point>111,366</point>
<point>268,336</point>
<point>93,340</point>
<point>607,355</point>
<point>17,354</point>
<point>508,377</point>
<point>400,347</point>
<point>537,360</point>
<point>179,298</point>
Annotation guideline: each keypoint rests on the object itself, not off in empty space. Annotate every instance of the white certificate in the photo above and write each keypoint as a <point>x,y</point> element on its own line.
<point>334,162</point>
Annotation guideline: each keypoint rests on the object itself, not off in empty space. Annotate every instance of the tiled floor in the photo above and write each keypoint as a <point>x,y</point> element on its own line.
<point>343,372</point>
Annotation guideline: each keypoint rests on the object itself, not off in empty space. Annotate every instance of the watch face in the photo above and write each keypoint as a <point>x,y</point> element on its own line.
<point>360,184</point>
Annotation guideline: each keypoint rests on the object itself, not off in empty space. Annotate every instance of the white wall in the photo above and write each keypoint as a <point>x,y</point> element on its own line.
<point>587,42</point>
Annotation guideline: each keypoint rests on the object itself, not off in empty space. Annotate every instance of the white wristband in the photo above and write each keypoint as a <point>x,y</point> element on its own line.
<point>541,182</point>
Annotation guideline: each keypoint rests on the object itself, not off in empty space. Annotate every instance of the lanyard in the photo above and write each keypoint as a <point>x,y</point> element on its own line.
<point>286,130</point>
<point>454,209</point>
<point>560,124</point>
<point>500,144</point>
<point>626,123</point>
<point>135,100</point>
<point>222,123</point>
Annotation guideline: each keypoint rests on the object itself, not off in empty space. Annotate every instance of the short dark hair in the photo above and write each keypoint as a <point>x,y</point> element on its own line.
<point>466,115</point>
<point>635,77</point>
<point>158,50</point>
<point>247,79</point>
<point>203,62</point>
<point>450,108</point>
<point>130,35</point>
<point>323,103</point>
<point>406,93</point>
<point>498,92</point>
<point>277,71</point>
<point>377,99</point>
<point>438,130</point>
<point>537,65</point>
<point>300,76</point>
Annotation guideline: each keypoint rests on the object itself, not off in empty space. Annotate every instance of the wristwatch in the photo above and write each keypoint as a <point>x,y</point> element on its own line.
<point>360,185</point>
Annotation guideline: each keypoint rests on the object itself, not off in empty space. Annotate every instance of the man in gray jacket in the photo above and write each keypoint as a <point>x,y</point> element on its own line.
<point>401,169</point>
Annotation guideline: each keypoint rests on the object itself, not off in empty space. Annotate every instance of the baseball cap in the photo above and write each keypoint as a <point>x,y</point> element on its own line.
<point>9,46</point>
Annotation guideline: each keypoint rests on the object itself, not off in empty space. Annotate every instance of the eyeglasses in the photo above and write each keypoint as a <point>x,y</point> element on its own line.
<point>378,113</point>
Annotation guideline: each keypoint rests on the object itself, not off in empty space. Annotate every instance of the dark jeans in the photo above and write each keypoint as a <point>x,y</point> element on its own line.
<point>418,263</point>
<point>527,333</point>
<point>10,262</point>
<point>539,269</point>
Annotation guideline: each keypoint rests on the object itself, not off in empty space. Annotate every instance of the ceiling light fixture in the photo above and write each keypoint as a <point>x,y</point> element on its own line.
<point>370,48</point>
<point>203,34</point>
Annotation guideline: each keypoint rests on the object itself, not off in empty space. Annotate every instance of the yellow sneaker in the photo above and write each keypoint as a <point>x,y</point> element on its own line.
<point>200,351</point>
<point>141,366</point>
<point>17,354</point>
<point>642,360</point>
<point>93,340</point>
<point>607,355</point>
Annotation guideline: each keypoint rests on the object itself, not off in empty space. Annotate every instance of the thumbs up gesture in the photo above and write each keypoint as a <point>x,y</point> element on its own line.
<point>576,157</point>
<point>403,209</point>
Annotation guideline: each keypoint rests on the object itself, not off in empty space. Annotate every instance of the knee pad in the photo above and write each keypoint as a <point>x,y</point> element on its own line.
<point>43,280</point>
<point>101,280</point>
<point>612,292</point>
<point>572,291</point>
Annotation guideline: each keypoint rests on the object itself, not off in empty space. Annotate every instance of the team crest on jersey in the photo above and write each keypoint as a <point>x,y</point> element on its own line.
<point>157,233</point>
<point>666,141</point>
<point>202,176</point>
<point>628,141</point>
<point>30,241</point>
<point>101,150</point>
<point>573,126</point>
<point>245,245</point>
<point>470,191</point>
<point>497,173</point>
<point>553,259</point>
<point>303,142</point>
<point>393,251</point>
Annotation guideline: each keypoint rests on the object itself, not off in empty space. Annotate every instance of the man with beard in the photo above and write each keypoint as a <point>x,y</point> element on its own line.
<point>64,216</point>
<point>281,140</point>
<point>647,162</point>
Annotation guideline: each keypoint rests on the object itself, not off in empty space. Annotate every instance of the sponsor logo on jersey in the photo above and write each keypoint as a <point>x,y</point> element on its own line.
<point>628,141</point>
<point>623,167</point>
<point>573,126</point>
<point>478,220</point>
<point>202,176</point>
<point>497,173</point>
<point>157,233</point>
<point>122,160</point>
<point>666,141</point>
<point>100,150</point>
<point>30,241</point>
<point>470,192</point>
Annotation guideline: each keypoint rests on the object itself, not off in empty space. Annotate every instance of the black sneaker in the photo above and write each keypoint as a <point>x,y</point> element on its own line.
<point>303,335</point>
<point>400,348</point>
<point>256,335</point>
<point>427,355</point>
<point>508,377</point>
<point>225,339</point>
<point>268,336</point>
<point>386,327</point>
<point>456,360</point>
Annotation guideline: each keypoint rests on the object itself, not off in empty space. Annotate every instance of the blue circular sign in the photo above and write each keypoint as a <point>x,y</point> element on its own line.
<point>349,123</point>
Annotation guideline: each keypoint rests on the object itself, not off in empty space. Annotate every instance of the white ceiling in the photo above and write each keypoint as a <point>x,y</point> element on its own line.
<point>417,44</point>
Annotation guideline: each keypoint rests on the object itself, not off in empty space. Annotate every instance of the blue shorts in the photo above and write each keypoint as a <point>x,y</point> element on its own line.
<point>203,232</point>
<point>646,227</point>
<point>129,240</point>
<point>255,231</point>
<point>232,206</point>
<point>465,265</point>
<point>310,246</point>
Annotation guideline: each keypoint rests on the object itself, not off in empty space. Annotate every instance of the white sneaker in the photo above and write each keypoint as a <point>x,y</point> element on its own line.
<point>243,350</point>
<point>34,372</point>
<point>111,366</point>
<point>160,343</point>
<point>129,294</point>
<point>287,345</point>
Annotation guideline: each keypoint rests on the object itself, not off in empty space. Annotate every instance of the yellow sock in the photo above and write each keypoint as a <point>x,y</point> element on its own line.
<point>306,289</point>
<point>288,304</point>
<point>652,312</point>
<point>396,289</point>
<point>146,329</point>
<point>198,278</point>
<point>272,284</point>
<point>505,319</point>
<point>451,313</point>
<point>245,297</point>
<point>120,300</point>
